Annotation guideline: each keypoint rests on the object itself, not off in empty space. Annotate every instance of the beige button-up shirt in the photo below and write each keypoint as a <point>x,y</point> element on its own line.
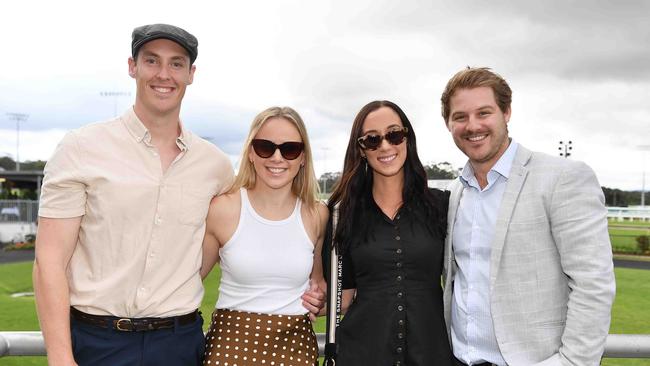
<point>139,247</point>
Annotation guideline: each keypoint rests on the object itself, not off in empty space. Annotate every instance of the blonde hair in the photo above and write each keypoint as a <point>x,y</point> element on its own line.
<point>304,184</point>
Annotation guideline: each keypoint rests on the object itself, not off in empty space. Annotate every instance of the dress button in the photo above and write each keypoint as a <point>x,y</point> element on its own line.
<point>399,264</point>
<point>400,335</point>
<point>400,308</point>
<point>399,251</point>
<point>399,278</point>
<point>399,349</point>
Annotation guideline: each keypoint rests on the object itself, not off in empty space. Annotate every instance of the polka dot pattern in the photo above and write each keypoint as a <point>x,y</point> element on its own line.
<point>239,338</point>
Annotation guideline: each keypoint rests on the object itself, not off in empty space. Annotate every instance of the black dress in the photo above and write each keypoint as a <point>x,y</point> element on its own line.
<point>397,316</point>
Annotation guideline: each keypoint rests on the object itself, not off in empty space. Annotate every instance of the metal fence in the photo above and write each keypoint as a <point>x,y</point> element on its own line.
<point>629,213</point>
<point>617,345</point>
<point>18,210</point>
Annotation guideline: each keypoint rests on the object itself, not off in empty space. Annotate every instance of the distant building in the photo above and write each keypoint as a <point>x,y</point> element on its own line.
<point>30,179</point>
<point>439,183</point>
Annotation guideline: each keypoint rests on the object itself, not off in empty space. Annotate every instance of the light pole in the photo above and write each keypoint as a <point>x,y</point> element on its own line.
<point>565,148</point>
<point>643,148</point>
<point>115,95</point>
<point>18,117</point>
<point>325,168</point>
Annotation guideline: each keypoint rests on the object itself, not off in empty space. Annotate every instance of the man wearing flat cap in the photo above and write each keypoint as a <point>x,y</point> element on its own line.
<point>122,218</point>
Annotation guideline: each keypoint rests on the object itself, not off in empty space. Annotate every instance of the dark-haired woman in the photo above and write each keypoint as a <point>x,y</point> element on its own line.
<point>390,232</point>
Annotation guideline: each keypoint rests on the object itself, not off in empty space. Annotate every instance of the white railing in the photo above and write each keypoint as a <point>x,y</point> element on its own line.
<point>629,213</point>
<point>617,346</point>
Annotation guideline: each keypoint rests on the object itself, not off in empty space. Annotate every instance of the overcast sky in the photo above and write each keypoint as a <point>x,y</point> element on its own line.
<point>579,70</point>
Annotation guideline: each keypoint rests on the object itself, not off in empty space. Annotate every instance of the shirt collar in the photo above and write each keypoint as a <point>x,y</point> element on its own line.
<point>502,166</point>
<point>141,133</point>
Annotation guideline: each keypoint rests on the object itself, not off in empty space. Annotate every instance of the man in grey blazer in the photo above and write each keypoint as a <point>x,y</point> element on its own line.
<point>528,272</point>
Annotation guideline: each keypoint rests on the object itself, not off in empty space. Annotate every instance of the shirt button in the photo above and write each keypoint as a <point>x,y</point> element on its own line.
<point>399,264</point>
<point>399,251</point>
<point>398,278</point>
<point>397,237</point>
<point>400,335</point>
<point>397,217</point>
<point>400,322</point>
<point>400,294</point>
<point>400,308</point>
<point>399,350</point>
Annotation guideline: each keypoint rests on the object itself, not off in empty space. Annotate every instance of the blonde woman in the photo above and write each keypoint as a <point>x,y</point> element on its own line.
<point>267,233</point>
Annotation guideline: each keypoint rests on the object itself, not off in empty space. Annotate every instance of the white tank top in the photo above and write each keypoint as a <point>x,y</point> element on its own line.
<point>265,266</point>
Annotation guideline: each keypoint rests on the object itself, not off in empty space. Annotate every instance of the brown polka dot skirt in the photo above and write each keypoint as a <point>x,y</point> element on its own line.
<point>239,338</point>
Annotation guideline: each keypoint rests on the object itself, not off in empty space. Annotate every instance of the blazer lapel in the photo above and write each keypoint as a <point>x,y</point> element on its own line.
<point>449,268</point>
<point>456,188</point>
<point>514,185</point>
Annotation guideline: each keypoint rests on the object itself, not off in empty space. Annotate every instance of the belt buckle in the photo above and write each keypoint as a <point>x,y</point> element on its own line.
<point>118,324</point>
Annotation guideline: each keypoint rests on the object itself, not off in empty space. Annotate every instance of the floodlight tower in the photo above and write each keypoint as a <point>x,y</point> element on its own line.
<point>643,148</point>
<point>325,149</point>
<point>565,148</point>
<point>115,95</point>
<point>18,117</point>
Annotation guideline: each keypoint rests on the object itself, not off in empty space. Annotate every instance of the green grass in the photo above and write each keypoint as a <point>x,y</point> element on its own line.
<point>639,223</point>
<point>19,314</point>
<point>629,315</point>
<point>624,239</point>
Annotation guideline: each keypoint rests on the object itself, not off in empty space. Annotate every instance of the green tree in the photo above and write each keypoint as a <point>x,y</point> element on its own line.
<point>32,165</point>
<point>442,170</point>
<point>619,198</point>
<point>7,163</point>
<point>327,181</point>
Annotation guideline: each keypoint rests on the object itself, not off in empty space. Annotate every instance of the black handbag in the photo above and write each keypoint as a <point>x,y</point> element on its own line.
<point>334,292</point>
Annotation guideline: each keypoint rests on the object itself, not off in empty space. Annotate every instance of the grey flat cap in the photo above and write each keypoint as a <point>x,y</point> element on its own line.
<point>146,33</point>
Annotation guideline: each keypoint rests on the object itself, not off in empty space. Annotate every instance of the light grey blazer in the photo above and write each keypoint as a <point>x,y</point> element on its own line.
<point>551,272</point>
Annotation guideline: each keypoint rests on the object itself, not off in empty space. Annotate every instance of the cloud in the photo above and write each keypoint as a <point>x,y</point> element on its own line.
<point>579,69</point>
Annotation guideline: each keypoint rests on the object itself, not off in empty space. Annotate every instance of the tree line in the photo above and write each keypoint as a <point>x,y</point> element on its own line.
<point>444,170</point>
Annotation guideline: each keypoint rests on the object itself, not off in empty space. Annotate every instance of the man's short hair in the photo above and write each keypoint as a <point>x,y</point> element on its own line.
<point>474,77</point>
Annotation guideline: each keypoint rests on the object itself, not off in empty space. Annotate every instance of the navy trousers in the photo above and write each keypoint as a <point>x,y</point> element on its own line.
<point>183,345</point>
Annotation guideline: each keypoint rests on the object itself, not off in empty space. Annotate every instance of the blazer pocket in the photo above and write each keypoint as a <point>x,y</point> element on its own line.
<point>550,324</point>
<point>526,220</point>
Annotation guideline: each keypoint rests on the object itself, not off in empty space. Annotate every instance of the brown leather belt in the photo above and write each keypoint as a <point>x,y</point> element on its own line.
<point>133,324</point>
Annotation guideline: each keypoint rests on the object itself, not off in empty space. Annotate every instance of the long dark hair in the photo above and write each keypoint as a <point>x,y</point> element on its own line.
<point>351,192</point>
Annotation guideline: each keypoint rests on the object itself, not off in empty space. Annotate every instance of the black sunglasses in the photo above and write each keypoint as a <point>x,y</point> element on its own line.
<point>290,150</point>
<point>373,141</point>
